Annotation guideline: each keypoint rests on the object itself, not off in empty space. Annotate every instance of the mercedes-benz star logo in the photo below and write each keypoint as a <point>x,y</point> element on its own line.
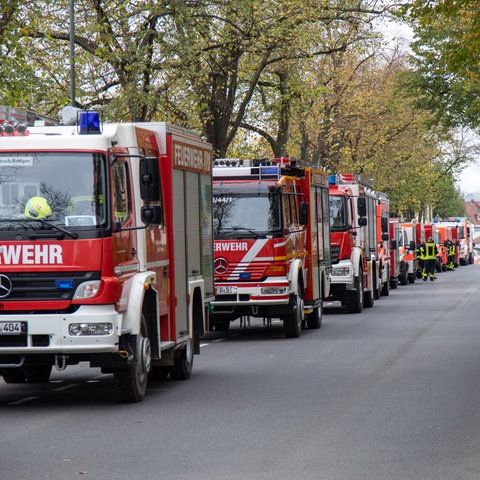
<point>5,286</point>
<point>221,266</point>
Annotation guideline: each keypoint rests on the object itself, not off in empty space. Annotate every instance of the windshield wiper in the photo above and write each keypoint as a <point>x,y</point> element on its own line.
<point>57,227</point>
<point>259,235</point>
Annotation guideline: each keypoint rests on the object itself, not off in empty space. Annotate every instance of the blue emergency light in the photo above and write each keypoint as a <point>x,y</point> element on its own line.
<point>64,284</point>
<point>89,122</point>
<point>271,170</point>
<point>332,179</point>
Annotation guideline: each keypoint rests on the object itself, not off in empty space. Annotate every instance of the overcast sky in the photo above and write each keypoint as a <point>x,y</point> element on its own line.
<point>469,181</point>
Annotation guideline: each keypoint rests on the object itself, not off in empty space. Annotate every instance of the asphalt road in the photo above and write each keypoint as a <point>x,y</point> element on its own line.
<point>391,393</point>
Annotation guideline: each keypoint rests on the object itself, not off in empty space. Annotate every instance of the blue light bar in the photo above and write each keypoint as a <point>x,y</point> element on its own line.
<point>64,284</point>
<point>89,122</point>
<point>332,180</point>
<point>244,275</point>
<point>269,170</point>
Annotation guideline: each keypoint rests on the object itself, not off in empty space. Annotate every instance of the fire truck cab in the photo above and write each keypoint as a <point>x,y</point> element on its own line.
<point>356,279</point>
<point>271,243</point>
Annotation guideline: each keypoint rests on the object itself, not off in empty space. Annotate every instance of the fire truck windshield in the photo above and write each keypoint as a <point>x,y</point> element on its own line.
<point>59,188</point>
<point>338,213</point>
<point>241,215</point>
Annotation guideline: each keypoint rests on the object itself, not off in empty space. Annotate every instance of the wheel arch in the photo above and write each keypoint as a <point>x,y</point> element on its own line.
<point>297,282</point>
<point>133,297</point>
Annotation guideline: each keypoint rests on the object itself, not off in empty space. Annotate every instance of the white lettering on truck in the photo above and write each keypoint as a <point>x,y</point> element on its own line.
<point>231,247</point>
<point>31,255</point>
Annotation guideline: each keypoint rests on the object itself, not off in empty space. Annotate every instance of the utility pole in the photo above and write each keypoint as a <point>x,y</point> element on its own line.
<point>72,55</point>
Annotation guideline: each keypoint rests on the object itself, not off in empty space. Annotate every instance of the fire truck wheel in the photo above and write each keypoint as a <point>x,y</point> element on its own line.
<point>292,323</point>
<point>314,319</point>
<point>386,286</point>
<point>403,277</point>
<point>131,381</point>
<point>182,369</point>
<point>353,299</point>
<point>368,299</point>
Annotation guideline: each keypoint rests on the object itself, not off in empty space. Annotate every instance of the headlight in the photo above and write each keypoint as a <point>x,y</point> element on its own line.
<point>80,329</point>
<point>273,290</point>
<point>87,290</point>
<point>340,272</point>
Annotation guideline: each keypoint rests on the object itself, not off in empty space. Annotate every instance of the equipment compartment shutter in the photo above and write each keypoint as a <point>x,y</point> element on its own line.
<point>194,247</point>
<point>179,232</point>
<point>206,199</point>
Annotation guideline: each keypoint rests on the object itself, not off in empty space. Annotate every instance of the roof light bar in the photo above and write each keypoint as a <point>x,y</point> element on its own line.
<point>89,122</point>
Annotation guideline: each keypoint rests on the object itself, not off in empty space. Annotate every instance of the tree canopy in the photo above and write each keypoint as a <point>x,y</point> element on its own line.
<point>311,79</point>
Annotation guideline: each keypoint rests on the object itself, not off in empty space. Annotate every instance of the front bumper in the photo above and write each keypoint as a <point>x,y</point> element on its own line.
<point>49,333</point>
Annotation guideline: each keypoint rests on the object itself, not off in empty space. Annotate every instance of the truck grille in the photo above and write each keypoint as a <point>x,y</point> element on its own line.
<point>257,272</point>
<point>335,252</point>
<point>46,285</point>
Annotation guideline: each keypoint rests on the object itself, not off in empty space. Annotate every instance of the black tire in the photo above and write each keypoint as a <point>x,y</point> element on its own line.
<point>182,369</point>
<point>353,300</point>
<point>38,374</point>
<point>368,299</point>
<point>411,277</point>
<point>314,319</point>
<point>403,276</point>
<point>131,381</point>
<point>292,323</point>
<point>376,290</point>
<point>394,283</point>
<point>386,286</point>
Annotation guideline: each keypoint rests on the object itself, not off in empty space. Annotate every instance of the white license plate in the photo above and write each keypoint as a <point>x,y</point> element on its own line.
<point>226,290</point>
<point>13,328</point>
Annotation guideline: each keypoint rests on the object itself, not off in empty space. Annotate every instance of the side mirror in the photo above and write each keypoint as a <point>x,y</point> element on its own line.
<point>362,222</point>
<point>385,237</point>
<point>384,222</point>
<point>362,206</point>
<point>303,213</point>
<point>152,215</point>
<point>393,244</point>
<point>412,245</point>
<point>150,179</point>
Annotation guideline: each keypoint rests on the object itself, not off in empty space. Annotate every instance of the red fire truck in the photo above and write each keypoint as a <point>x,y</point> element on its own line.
<point>355,278</point>
<point>395,265</point>
<point>106,250</point>
<point>272,245</point>
<point>383,242</point>
<point>412,240</point>
<point>461,234</point>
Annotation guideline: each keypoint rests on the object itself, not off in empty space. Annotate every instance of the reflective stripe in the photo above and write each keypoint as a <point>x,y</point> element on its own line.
<point>430,252</point>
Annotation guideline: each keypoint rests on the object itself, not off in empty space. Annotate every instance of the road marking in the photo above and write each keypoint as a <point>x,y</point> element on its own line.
<point>65,387</point>
<point>23,400</point>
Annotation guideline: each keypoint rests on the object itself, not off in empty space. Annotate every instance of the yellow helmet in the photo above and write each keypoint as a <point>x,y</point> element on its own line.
<point>37,207</point>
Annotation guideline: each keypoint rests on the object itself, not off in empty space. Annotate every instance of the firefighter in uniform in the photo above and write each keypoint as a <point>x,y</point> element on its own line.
<point>430,257</point>
<point>421,259</point>
<point>450,255</point>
